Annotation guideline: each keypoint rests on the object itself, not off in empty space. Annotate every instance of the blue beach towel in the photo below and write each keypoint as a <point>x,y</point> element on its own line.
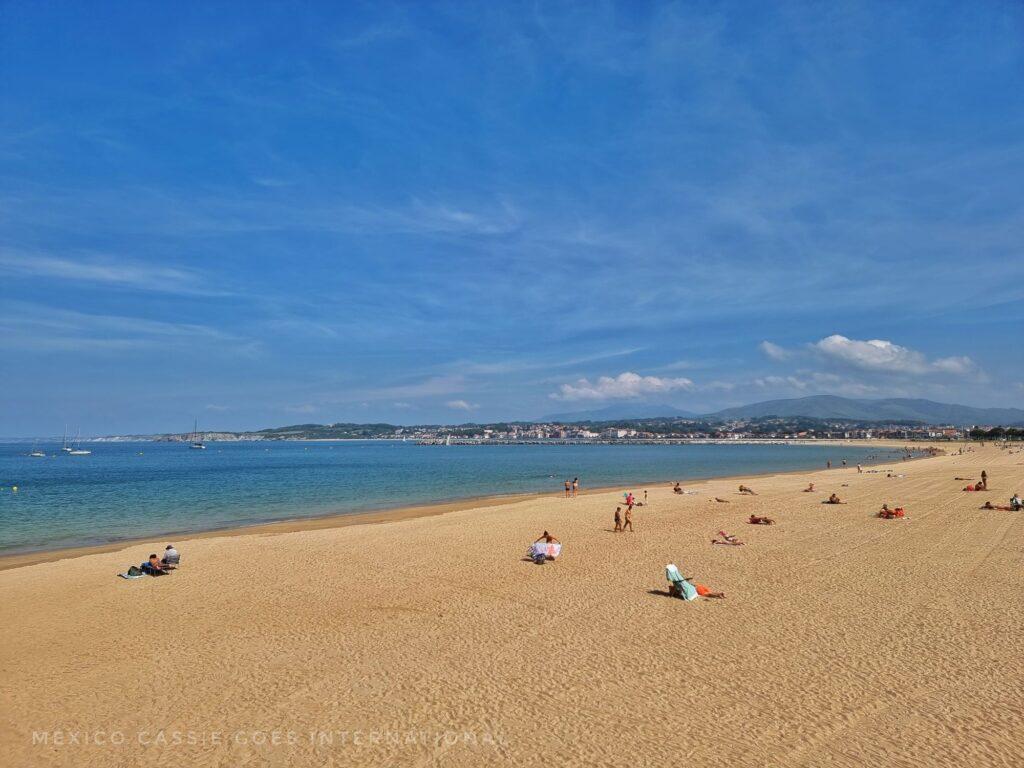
<point>675,577</point>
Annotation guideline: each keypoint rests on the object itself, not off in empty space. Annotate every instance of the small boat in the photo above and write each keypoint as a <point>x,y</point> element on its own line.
<point>73,449</point>
<point>64,446</point>
<point>194,440</point>
<point>36,453</point>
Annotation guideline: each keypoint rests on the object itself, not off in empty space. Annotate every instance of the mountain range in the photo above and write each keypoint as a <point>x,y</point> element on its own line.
<point>818,407</point>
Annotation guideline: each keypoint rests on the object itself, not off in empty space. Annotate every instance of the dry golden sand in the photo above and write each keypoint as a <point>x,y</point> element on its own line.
<point>845,640</point>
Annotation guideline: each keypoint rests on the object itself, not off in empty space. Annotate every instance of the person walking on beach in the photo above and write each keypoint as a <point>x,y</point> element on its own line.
<point>567,489</point>
<point>618,520</point>
<point>984,479</point>
<point>629,519</point>
<point>828,464</point>
<point>575,486</point>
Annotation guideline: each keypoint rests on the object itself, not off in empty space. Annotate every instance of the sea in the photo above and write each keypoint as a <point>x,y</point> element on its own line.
<point>148,489</point>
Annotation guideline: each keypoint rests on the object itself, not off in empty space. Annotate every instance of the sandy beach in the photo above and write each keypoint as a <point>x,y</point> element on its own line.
<point>844,640</point>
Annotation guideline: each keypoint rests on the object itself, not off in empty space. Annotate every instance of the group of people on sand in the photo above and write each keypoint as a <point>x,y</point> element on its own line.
<point>621,524</point>
<point>156,565</point>
<point>1015,505</point>
<point>572,488</point>
<point>982,485</point>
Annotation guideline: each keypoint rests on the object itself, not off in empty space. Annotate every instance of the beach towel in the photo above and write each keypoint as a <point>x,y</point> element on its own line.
<point>545,549</point>
<point>675,577</point>
<point>132,573</point>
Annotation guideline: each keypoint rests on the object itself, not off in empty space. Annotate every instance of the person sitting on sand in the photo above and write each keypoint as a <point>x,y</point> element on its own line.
<point>1016,502</point>
<point>171,558</point>
<point>618,519</point>
<point>677,488</point>
<point>153,567</point>
<point>760,520</point>
<point>547,538</point>
<point>747,491</point>
<point>890,514</point>
<point>833,499</point>
<point>809,488</point>
<point>727,538</point>
<point>629,519</point>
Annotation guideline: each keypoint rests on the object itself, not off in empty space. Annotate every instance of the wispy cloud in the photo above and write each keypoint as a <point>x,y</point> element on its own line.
<point>461,405</point>
<point>774,351</point>
<point>39,328</point>
<point>104,270</point>
<point>624,386</point>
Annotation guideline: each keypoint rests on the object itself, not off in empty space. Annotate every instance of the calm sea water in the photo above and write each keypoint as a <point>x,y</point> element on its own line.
<point>130,490</point>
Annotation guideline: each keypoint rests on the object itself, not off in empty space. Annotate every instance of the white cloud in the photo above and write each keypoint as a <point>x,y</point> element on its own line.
<point>775,382</point>
<point>885,356</point>
<point>625,385</point>
<point>104,270</point>
<point>811,382</point>
<point>959,365</point>
<point>774,351</point>
<point>461,405</point>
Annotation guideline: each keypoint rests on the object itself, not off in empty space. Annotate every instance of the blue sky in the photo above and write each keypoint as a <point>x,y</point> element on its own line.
<point>261,214</point>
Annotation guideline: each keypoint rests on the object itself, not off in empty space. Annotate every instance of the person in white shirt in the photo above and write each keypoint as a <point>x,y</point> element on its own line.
<point>171,557</point>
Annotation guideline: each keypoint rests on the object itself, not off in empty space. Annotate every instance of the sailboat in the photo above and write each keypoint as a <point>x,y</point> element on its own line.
<point>448,440</point>
<point>195,442</point>
<point>36,453</point>
<point>75,450</point>
<point>64,446</point>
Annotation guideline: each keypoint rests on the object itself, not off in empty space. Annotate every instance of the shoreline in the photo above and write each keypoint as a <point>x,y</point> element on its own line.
<point>375,517</point>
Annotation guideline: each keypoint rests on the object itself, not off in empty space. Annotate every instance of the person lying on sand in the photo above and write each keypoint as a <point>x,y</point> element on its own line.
<point>720,500</point>
<point>727,538</point>
<point>704,591</point>
<point>963,478</point>
<point>747,491</point>
<point>990,505</point>
<point>974,487</point>
<point>809,488</point>
<point>760,520</point>
<point>833,499</point>
<point>890,514</point>
<point>547,538</point>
